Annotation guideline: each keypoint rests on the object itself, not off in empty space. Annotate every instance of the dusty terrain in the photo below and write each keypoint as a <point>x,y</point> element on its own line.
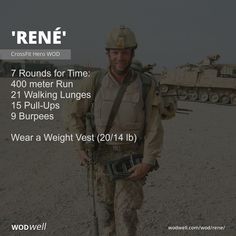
<point>195,185</point>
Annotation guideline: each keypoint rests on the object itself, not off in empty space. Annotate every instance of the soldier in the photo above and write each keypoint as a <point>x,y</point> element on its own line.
<point>209,60</point>
<point>134,111</point>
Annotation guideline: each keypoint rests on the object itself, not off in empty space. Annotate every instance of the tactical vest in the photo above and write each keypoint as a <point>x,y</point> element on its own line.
<point>131,115</point>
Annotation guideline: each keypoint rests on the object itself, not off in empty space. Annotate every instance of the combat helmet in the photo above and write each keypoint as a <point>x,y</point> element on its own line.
<point>121,38</point>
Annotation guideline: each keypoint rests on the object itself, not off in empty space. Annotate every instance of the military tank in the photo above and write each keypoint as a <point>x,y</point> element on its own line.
<point>205,82</point>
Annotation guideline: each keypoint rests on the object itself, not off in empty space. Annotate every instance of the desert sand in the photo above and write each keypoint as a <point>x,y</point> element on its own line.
<point>195,185</point>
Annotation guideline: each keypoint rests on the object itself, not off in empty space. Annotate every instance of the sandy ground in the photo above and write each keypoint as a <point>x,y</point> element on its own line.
<point>195,185</point>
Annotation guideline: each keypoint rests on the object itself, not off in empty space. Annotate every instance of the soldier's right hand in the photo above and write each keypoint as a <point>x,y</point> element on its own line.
<point>84,159</point>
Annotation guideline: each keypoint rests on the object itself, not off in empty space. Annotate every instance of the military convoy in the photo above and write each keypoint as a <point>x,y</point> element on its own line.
<point>205,82</point>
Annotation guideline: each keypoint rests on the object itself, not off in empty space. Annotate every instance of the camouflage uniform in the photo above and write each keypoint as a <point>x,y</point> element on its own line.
<point>119,200</point>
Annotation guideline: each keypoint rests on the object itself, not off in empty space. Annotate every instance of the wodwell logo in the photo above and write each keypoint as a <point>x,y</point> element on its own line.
<point>39,37</point>
<point>30,227</point>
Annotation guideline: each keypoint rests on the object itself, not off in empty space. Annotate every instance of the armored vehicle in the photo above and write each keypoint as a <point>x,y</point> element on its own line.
<point>205,81</point>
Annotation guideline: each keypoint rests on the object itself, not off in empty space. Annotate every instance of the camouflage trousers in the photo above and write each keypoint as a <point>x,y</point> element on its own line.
<point>118,202</point>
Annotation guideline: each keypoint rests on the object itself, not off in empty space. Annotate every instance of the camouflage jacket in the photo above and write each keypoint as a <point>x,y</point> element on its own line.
<point>153,129</point>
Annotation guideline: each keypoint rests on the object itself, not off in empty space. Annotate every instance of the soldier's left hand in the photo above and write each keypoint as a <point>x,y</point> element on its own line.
<point>139,171</point>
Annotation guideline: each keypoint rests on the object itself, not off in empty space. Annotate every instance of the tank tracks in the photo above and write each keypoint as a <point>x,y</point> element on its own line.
<point>202,95</point>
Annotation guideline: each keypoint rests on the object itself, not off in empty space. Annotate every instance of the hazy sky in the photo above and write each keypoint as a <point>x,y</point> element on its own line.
<point>168,32</point>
